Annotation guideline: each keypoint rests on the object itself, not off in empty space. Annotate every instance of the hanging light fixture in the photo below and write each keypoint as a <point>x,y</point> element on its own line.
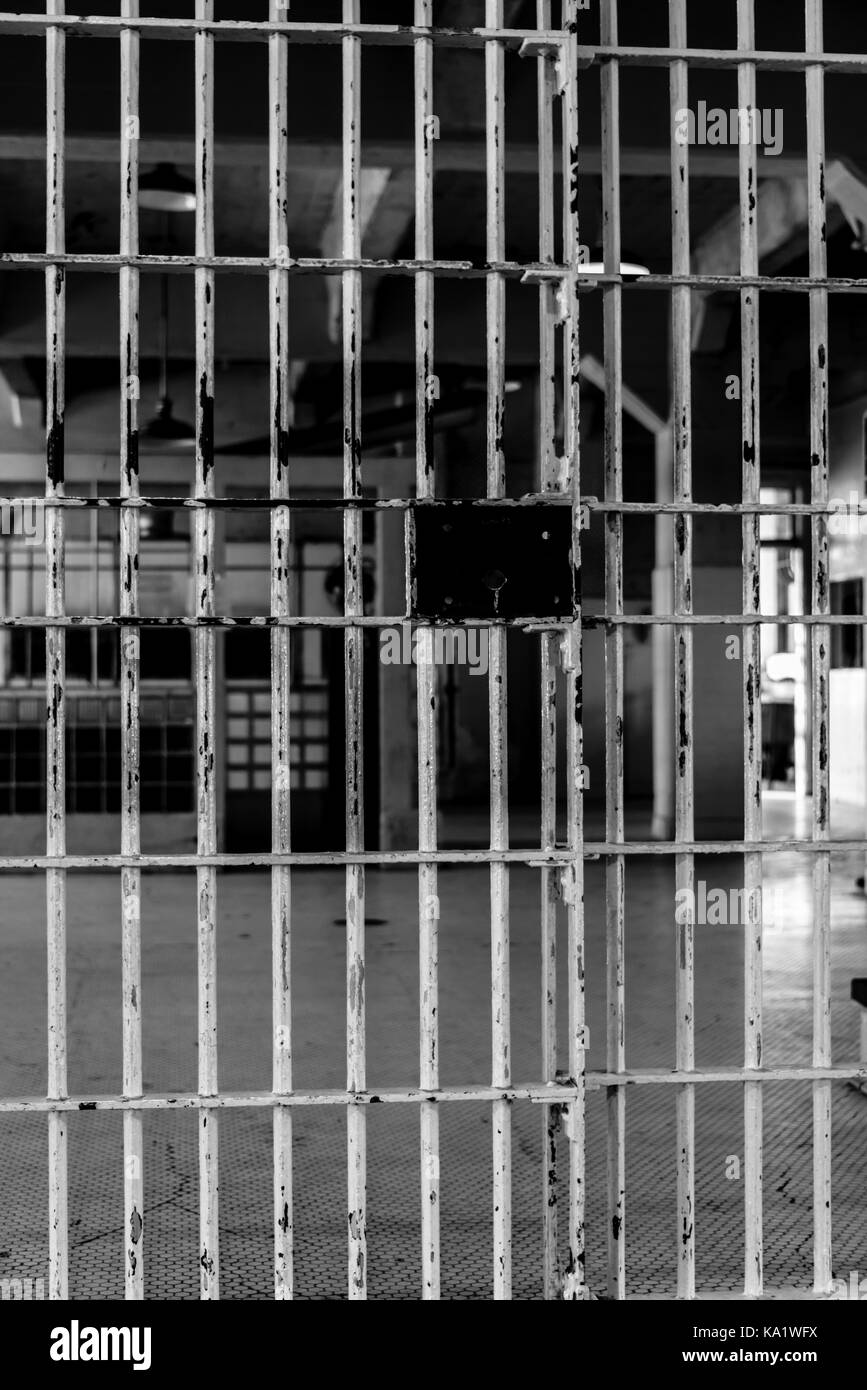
<point>166,190</point>
<point>630,268</point>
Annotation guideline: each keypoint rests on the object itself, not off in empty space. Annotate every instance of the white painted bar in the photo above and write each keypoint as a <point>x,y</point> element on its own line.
<point>497,697</point>
<point>539,1093</point>
<point>206,723</point>
<point>751,657</point>
<point>354,658</point>
<point>615,866</point>
<point>281,540</point>
<point>684,813</point>
<point>55,657</point>
<point>549,481</point>
<point>427,686</point>
<point>821,655</point>
<point>130,647</point>
<point>575,1279</point>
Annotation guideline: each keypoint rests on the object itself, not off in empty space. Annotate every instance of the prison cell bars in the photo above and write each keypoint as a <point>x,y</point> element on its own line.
<point>55,654</point>
<point>281,559</point>
<point>549,481</point>
<point>426,673</point>
<point>56,861</point>
<point>681,407</point>
<point>206,723</point>
<point>356,1079</point>
<point>820,651</point>
<point>751,658</point>
<point>615,865</point>
<point>130,650</point>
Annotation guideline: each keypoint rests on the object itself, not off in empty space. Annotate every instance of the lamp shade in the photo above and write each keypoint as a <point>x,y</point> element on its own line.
<point>630,267</point>
<point>167,190</point>
<point>162,430</point>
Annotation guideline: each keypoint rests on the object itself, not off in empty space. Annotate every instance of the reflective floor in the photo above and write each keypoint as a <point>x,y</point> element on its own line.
<point>169,1007</point>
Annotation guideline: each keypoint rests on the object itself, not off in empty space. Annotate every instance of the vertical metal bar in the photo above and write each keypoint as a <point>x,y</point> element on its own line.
<point>574,1283</point>
<point>684,815</point>
<point>497,696</point>
<point>549,480</point>
<point>356,1078</point>
<point>751,656</point>
<point>426,680</point>
<point>281,880</point>
<point>130,647</point>
<point>206,876</point>
<point>820,639</point>
<point>615,872</point>
<point>55,651</point>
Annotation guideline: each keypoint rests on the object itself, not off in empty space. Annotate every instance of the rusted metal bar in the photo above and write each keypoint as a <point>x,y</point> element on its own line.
<point>206,721</point>
<point>497,698</point>
<point>539,1093</point>
<point>533,623</point>
<point>820,640</point>
<point>302,265</point>
<point>55,657</point>
<point>549,481</point>
<point>683,687</point>
<point>130,646</point>
<point>139,502</point>
<point>426,672</point>
<point>535,1092</point>
<point>281,554</point>
<point>257,31</point>
<point>574,1280</point>
<point>353,658</point>
<point>615,867</point>
<point>532,858</point>
<point>751,657</point>
<point>526,272</point>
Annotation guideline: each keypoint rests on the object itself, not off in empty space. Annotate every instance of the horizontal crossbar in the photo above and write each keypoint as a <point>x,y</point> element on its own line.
<point>546,1093</point>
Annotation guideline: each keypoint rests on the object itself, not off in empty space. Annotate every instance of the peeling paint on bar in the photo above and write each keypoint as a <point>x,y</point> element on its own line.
<point>615,869</point>
<point>55,658</point>
<point>574,1287</point>
<point>820,639</point>
<point>426,673</point>
<point>501,1124</point>
<point>281,880</point>
<point>539,1093</point>
<point>752,667</point>
<point>130,535</point>
<point>253,31</point>
<point>527,624</point>
<point>206,723</point>
<point>356,1045</point>
<point>549,482</point>
<point>681,407</point>
<point>138,502</point>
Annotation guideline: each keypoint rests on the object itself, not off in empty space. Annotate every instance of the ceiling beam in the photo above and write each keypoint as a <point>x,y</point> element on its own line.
<point>387,207</point>
<point>454,155</point>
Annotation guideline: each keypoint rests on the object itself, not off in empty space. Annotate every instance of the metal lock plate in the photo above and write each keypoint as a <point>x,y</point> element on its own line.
<point>484,560</point>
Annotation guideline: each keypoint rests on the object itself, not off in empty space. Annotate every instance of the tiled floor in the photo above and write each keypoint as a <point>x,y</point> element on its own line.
<point>169,1001</point>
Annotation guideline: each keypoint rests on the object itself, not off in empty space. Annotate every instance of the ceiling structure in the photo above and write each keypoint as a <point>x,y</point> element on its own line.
<point>314,198</point>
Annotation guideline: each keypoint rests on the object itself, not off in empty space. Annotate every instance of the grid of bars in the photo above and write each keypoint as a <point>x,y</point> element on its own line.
<point>564,1079</point>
